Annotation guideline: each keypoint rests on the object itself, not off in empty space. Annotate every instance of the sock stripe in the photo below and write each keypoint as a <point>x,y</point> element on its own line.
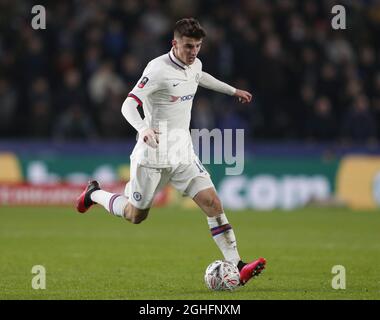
<point>220,229</point>
<point>112,200</point>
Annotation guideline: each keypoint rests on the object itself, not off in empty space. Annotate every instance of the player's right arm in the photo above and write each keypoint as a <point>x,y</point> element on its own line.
<point>129,111</point>
<point>147,85</point>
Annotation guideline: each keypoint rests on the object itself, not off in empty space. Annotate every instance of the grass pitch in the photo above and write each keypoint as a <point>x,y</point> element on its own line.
<point>97,256</point>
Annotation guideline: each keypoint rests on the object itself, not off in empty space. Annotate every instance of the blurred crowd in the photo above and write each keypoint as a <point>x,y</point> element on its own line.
<point>310,82</point>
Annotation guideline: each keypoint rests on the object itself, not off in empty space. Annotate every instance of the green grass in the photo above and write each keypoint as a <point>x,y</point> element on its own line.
<point>97,256</point>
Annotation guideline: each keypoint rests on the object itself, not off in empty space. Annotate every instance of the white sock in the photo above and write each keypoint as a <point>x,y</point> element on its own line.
<point>224,237</point>
<point>112,202</point>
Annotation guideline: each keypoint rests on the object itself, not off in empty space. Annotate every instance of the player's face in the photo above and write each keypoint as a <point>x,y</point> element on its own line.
<point>186,49</point>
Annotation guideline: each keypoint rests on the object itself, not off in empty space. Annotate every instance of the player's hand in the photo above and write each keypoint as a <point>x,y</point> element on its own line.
<point>243,96</point>
<point>150,137</point>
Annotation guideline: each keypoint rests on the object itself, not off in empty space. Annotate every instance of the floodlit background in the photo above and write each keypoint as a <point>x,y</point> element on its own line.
<point>311,133</point>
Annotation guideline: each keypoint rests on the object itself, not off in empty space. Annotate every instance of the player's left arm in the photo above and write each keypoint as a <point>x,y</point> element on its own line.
<point>209,82</point>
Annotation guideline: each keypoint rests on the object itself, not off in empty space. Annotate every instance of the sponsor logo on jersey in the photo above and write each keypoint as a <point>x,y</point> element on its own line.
<point>183,98</point>
<point>143,82</point>
<point>174,98</point>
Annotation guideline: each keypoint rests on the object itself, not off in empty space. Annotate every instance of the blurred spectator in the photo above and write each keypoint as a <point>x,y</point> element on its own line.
<point>39,91</point>
<point>339,50</point>
<point>321,125</point>
<point>114,40</point>
<point>309,65</point>
<point>92,61</point>
<point>366,68</point>
<point>154,15</point>
<point>111,124</point>
<point>307,97</point>
<point>271,89</point>
<point>359,125</point>
<point>74,124</point>
<point>72,91</point>
<point>35,60</point>
<point>328,83</point>
<point>375,89</point>
<point>8,106</point>
<point>104,81</point>
<point>203,117</point>
<point>230,119</point>
<point>131,69</point>
<point>40,121</point>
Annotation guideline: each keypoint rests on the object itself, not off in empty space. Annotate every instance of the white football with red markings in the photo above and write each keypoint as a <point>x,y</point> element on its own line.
<point>222,275</point>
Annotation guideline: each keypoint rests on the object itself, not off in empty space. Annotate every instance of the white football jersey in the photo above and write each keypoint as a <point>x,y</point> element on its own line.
<point>166,91</point>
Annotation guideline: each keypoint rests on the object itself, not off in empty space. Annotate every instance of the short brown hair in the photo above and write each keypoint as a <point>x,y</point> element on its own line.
<point>189,27</point>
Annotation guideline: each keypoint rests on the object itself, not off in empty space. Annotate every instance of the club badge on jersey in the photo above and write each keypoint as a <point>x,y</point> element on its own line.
<point>143,82</point>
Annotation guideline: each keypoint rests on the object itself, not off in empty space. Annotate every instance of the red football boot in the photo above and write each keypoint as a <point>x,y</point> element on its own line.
<point>252,269</point>
<point>84,201</point>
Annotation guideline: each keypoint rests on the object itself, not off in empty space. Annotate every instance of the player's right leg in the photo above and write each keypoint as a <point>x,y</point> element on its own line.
<point>116,204</point>
<point>138,196</point>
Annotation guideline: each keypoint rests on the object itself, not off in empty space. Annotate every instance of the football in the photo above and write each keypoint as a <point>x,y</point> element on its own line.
<point>222,275</point>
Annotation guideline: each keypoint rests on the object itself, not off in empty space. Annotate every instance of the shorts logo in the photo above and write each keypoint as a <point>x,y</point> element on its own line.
<point>137,196</point>
<point>143,82</point>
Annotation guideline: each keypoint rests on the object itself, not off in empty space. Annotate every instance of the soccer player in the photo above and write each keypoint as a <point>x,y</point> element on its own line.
<point>165,92</point>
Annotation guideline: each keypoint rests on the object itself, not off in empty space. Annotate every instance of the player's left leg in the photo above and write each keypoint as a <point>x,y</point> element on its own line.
<point>220,227</point>
<point>223,234</point>
<point>194,181</point>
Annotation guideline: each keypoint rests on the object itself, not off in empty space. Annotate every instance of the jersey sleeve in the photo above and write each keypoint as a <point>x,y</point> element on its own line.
<point>150,82</point>
<point>209,82</point>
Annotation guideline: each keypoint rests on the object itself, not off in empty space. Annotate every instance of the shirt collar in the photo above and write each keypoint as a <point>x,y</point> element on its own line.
<point>176,61</point>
